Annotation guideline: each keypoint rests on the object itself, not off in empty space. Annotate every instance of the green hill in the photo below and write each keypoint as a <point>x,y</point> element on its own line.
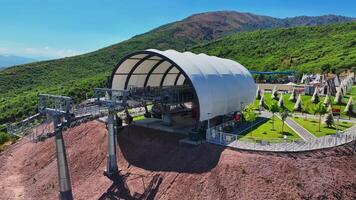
<point>76,76</point>
<point>305,49</point>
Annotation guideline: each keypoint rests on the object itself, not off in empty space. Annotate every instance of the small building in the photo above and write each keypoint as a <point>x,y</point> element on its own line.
<point>219,86</point>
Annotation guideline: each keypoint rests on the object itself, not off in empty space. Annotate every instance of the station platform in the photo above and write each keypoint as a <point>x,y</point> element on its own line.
<point>181,125</point>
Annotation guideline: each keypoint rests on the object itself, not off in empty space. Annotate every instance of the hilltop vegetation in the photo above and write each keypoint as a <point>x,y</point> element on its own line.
<point>77,76</point>
<point>305,49</point>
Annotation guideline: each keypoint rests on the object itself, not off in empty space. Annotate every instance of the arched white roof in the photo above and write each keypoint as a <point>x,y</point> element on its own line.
<point>221,85</point>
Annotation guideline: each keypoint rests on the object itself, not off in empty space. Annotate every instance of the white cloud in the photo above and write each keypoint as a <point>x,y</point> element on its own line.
<point>50,52</point>
<point>40,52</point>
<point>3,50</point>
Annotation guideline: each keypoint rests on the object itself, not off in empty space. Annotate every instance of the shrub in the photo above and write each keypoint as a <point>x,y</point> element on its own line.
<point>4,137</point>
<point>329,120</point>
<point>315,97</point>
<point>298,105</point>
<point>293,96</point>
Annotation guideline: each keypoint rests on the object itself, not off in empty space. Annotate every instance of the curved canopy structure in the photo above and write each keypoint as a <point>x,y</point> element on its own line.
<point>221,85</point>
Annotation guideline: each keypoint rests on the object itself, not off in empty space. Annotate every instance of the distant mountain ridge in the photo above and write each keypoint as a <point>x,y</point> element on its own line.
<point>8,61</point>
<point>76,76</point>
<point>212,25</point>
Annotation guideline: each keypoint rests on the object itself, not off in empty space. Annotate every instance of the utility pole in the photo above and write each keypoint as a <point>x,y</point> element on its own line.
<point>58,107</point>
<point>114,101</point>
<point>111,167</point>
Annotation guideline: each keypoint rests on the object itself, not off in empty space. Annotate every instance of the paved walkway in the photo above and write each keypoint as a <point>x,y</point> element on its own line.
<point>298,129</point>
<point>352,120</point>
<point>290,146</point>
<point>310,141</point>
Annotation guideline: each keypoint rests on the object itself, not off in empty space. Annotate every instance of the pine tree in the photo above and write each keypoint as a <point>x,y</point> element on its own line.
<point>349,108</point>
<point>281,101</point>
<point>298,105</point>
<point>315,98</point>
<point>326,101</point>
<point>258,93</point>
<point>293,96</point>
<point>262,103</point>
<point>342,89</point>
<point>329,119</point>
<point>338,97</point>
<point>274,94</point>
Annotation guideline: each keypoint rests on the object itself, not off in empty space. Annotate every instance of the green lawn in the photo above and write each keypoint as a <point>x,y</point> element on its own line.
<point>307,100</point>
<point>289,105</point>
<point>140,117</point>
<point>264,131</point>
<point>352,93</point>
<point>312,125</point>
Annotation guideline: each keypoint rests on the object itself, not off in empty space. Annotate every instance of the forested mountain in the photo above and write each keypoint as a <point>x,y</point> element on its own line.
<point>76,76</point>
<point>306,49</point>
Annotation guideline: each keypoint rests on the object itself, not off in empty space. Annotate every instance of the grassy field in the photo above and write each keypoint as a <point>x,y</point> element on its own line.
<point>288,104</point>
<point>312,126</point>
<point>140,117</point>
<point>264,131</point>
<point>352,93</point>
<point>307,100</point>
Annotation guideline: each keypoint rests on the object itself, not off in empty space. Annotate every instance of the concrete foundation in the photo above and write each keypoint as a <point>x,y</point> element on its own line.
<point>181,125</point>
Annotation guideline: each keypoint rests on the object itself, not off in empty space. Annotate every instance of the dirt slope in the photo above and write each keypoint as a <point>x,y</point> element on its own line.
<point>28,170</point>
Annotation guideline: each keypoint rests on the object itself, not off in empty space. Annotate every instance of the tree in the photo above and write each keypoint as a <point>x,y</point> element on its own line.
<point>325,68</point>
<point>281,101</point>
<point>306,109</point>
<point>326,101</point>
<point>274,94</point>
<point>258,93</point>
<point>342,89</point>
<point>320,110</point>
<point>338,97</point>
<point>329,119</point>
<point>298,105</point>
<point>349,108</point>
<point>273,108</point>
<point>260,78</point>
<point>249,114</point>
<point>315,97</point>
<point>284,113</point>
<point>293,96</point>
<point>329,109</point>
<point>262,103</point>
<point>354,71</point>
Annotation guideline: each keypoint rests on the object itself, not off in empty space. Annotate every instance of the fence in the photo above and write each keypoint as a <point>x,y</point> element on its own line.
<point>23,126</point>
<point>100,111</point>
<point>216,135</point>
<point>80,112</point>
<point>89,110</point>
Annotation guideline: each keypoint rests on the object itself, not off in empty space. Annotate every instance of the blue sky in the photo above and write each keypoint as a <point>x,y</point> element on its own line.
<point>59,28</point>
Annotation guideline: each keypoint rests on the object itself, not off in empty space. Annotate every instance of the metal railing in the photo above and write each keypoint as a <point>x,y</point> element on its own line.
<point>163,94</point>
<point>217,136</point>
<point>94,110</point>
<point>25,125</point>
